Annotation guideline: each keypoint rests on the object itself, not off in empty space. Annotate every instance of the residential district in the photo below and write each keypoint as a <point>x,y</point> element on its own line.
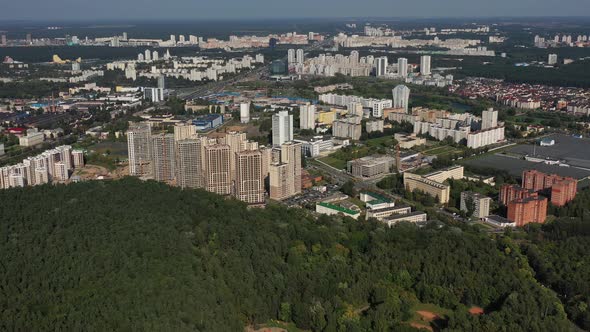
<point>239,125</point>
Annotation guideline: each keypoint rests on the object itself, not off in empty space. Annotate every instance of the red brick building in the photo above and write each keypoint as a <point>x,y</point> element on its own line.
<point>563,189</point>
<point>532,209</point>
<point>510,192</point>
<point>564,192</point>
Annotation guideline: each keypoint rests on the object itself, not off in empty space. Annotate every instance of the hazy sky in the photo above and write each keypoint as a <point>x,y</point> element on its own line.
<point>245,9</point>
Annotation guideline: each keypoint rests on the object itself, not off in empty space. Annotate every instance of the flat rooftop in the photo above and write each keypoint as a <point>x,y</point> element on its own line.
<point>574,151</point>
<point>516,166</point>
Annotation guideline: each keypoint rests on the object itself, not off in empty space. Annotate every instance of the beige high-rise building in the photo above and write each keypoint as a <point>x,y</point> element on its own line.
<point>250,183</point>
<point>61,172</point>
<point>65,156</point>
<point>41,176</point>
<point>250,146</point>
<point>78,157</point>
<point>217,169</point>
<point>52,159</point>
<point>285,174</point>
<point>189,163</point>
<point>266,162</point>
<point>163,157</point>
<point>279,179</point>
<point>185,131</point>
<point>236,142</point>
<point>138,144</point>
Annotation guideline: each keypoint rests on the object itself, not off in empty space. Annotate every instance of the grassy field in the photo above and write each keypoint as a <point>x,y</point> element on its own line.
<point>379,142</point>
<point>440,150</point>
<point>106,154</point>
<point>334,162</point>
<point>110,148</point>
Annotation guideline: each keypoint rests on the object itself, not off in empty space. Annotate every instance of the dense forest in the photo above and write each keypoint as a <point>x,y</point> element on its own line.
<point>133,255</point>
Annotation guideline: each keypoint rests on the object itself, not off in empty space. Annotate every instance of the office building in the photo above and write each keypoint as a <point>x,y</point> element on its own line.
<point>138,146</point>
<point>333,210</point>
<point>401,97</point>
<point>475,202</point>
<point>453,172</point>
<point>439,191</point>
<point>245,112</point>
<point>282,128</point>
<point>249,186</point>
<point>370,166</point>
<point>278,67</point>
<point>307,116</point>
<point>425,65</point>
<point>313,147</point>
<point>189,163</point>
<point>402,67</point>
<point>217,169</point>
<point>163,157</point>
<point>381,66</point>
<point>432,183</point>
<point>208,121</point>
<point>412,217</point>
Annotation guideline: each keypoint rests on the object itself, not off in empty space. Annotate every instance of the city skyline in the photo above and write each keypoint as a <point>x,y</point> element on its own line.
<point>231,9</point>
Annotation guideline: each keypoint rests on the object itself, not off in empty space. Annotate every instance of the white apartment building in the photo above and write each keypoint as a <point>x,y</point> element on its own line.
<point>307,116</point>
<point>282,128</point>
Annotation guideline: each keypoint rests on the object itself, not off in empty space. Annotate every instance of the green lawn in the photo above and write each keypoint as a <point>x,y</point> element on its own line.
<point>380,141</point>
<point>440,150</point>
<point>110,148</point>
<point>334,162</point>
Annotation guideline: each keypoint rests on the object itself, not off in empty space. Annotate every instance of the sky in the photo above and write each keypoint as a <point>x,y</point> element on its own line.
<point>49,10</point>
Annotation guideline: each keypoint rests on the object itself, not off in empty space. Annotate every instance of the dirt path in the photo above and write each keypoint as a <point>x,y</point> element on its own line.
<point>422,326</point>
<point>427,315</point>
